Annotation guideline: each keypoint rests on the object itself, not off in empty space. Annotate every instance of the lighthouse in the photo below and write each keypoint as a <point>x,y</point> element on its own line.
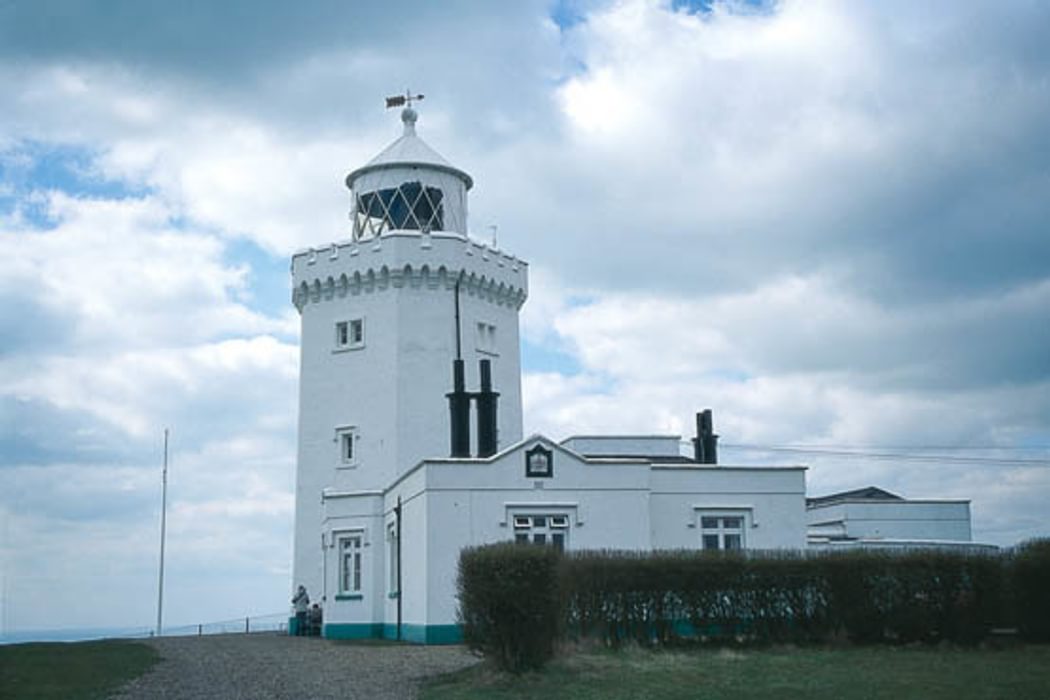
<point>410,422</point>
<point>409,339</point>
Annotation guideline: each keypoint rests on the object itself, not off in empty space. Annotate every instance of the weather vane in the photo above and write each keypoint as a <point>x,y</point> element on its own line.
<point>402,100</point>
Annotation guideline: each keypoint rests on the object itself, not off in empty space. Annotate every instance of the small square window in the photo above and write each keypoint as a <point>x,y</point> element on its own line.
<point>486,338</point>
<point>522,521</point>
<point>559,522</point>
<point>350,334</point>
<point>722,531</point>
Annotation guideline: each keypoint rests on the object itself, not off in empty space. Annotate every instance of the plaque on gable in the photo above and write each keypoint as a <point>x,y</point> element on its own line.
<point>539,462</point>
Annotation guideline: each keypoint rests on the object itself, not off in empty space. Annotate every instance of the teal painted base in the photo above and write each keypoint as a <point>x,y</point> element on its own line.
<point>414,634</point>
<point>364,630</point>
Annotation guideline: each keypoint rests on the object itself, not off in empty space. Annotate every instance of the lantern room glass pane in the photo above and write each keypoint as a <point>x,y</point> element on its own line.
<point>409,206</point>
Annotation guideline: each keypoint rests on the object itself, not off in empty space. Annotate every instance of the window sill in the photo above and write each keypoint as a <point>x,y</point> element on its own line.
<point>346,466</point>
<point>349,596</point>
<point>348,348</point>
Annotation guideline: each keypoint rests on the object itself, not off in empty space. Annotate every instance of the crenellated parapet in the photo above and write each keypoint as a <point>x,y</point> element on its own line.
<point>413,259</point>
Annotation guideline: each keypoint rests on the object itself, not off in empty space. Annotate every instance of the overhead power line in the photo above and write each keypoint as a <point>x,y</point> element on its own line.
<point>893,456</point>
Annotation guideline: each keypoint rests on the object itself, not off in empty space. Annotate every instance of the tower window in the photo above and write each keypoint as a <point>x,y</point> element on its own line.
<point>350,334</point>
<point>486,338</point>
<point>346,439</point>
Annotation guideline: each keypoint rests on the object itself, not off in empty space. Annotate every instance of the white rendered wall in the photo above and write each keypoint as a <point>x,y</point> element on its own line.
<point>350,515</point>
<point>611,504</point>
<point>392,390</point>
<point>649,445</point>
<point>772,501</point>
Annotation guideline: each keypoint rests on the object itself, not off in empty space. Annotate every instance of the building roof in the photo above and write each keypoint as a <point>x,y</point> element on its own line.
<point>868,493</point>
<point>409,150</point>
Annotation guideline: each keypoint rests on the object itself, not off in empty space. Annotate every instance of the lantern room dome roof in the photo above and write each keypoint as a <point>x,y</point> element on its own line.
<point>409,151</point>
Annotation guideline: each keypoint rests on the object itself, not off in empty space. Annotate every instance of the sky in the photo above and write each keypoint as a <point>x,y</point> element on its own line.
<point>826,221</point>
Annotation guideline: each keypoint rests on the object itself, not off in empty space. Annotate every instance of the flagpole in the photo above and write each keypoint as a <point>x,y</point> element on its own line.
<point>163,524</point>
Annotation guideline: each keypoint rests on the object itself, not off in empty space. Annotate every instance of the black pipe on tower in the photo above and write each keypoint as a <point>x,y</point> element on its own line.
<point>488,403</point>
<point>459,412</point>
<point>458,398</point>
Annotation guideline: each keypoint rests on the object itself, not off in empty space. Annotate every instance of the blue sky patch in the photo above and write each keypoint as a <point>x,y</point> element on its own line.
<point>33,167</point>
<point>546,358</point>
<point>269,279</point>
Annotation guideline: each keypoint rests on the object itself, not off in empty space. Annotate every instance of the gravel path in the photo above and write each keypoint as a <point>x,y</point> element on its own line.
<point>268,666</point>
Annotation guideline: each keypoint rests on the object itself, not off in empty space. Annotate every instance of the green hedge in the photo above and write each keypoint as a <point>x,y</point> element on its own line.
<point>510,605</point>
<point>517,601</point>
<point>780,597</point>
<point>1030,577</point>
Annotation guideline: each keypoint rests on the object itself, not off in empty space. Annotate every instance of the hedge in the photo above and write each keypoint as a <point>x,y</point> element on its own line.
<point>516,601</point>
<point>668,597</point>
<point>509,604</point>
<point>1030,578</point>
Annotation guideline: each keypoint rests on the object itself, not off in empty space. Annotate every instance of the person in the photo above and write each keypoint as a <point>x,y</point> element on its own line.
<point>301,601</point>
<point>315,620</point>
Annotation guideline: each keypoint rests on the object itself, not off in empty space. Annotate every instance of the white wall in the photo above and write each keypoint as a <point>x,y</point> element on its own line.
<point>393,388</point>
<point>612,504</point>
<point>772,500</point>
<point>648,445</point>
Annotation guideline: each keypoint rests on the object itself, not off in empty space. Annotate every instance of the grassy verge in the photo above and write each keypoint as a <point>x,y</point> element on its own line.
<point>71,671</point>
<point>882,672</point>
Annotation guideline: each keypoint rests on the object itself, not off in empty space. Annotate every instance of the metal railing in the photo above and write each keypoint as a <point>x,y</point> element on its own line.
<point>271,622</point>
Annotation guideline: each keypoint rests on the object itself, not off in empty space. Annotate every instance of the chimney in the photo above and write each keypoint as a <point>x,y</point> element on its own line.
<point>459,413</point>
<point>705,444</point>
<point>488,401</point>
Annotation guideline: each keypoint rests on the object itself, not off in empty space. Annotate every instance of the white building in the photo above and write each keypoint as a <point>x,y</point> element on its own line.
<point>876,519</point>
<point>410,423</point>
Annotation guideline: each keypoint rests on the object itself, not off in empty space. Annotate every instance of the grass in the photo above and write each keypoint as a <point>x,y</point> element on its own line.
<point>71,671</point>
<point>883,672</point>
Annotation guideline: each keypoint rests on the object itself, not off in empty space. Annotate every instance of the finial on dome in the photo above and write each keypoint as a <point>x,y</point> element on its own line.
<point>408,115</point>
<point>408,118</point>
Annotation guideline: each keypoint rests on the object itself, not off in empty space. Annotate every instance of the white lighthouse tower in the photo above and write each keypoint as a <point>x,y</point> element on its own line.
<point>409,344</point>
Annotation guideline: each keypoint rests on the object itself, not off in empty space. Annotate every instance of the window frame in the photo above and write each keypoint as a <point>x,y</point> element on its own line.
<point>347,434</point>
<point>720,530</point>
<point>485,338</point>
<point>355,575</point>
<point>552,531</point>
<point>345,331</point>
